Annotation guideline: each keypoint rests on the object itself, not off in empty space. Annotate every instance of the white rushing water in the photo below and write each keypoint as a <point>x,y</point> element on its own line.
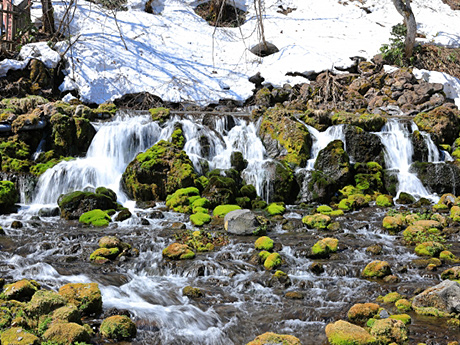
<point>321,140</point>
<point>396,139</point>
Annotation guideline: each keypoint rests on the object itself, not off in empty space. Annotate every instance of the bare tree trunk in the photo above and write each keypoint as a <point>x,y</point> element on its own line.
<point>48,17</point>
<point>405,10</point>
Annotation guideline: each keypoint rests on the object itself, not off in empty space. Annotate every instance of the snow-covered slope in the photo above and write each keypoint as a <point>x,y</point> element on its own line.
<point>179,57</point>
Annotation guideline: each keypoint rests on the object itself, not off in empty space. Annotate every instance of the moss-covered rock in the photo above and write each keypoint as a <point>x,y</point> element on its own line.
<point>68,313</point>
<point>403,305</point>
<point>199,219</point>
<point>18,336</point>
<point>376,269</point>
<point>95,217</point>
<point>430,248</point>
<point>118,327</point>
<point>66,333</point>
<point>221,210</point>
<point>43,302</point>
<point>183,199</point>
<point>74,204</point>
<point>275,209</point>
<point>160,114</point>
<point>391,297</point>
<point>442,123</point>
<point>278,129</point>
<point>361,312</point>
<point>335,163</point>
<point>272,261</point>
<point>8,196</point>
<point>85,296</point>
<point>324,247</point>
<point>22,290</point>
<point>157,172</point>
<point>178,251</point>
<point>317,221</point>
<point>390,330</point>
<point>393,224</point>
<point>368,122</point>
<point>273,338</point>
<point>264,243</point>
<point>384,201</point>
<point>404,318</point>
<point>452,273</point>
<point>345,333</point>
<point>103,255</point>
<point>192,292</point>
<point>220,190</point>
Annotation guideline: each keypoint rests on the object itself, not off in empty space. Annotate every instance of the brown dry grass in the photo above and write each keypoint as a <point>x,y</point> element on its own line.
<point>440,59</point>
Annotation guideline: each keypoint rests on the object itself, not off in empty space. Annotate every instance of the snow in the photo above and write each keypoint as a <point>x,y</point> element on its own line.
<point>177,56</point>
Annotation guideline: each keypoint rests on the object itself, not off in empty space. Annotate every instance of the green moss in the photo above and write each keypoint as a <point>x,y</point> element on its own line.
<point>317,221</point>
<point>368,122</point>
<point>345,333</point>
<point>67,333</point>
<point>248,191</point>
<point>177,138</point>
<point>118,327</point>
<point>200,202</point>
<point>263,255</point>
<point>384,201</point>
<point>273,338</point>
<point>272,261</point>
<point>406,319</point>
<point>105,253</point>
<point>106,110</point>
<point>429,249</point>
<point>95,217</point>
<point>40,168</point>
<point>8,194</point>
<point>182,200</point>
<point>43,302</point>
<point>455,213</point>
<point>264,243</point>
<point>85,296</point>
<point>5,318</point>
<point>192,292</point>
<point>448,256</point>
<point>199,219</point>
<point>275,209</point>
<point>18,336</point>
<point>160,114</point>
<point>178,251</point>
<point>403,305</point>
<point>222,210</point>
<point>376,269</point>
<point>392,297</point>
<point>430,311</point>
<point>21,290</point>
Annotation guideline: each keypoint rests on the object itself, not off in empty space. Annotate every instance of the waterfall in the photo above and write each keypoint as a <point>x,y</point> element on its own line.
<point>117,143</point>
<point>321,140</point>
<point>396,139</point>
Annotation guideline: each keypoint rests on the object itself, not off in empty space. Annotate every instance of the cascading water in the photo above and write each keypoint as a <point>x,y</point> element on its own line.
<point>396,139</point>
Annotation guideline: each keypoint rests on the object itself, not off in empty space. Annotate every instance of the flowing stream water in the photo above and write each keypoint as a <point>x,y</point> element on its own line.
<point>241,298</point>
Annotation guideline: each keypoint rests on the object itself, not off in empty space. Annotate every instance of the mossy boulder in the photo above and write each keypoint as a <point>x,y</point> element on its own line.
<point>74,204</point>
<point>220,190</point>
<point>199,219</point>
<point>430,248</point>
<point>317,221</point>
<point>118,327</point>
<point>103,255</point>
<point>324,247</point>
<point>68,313</point>
<point>392,297</point>
<point>334,162</point>
<point>18,336</point>
<point>248,191</point>
<point>182,200</point>
<point>237,161</point>
<point>272,261</point>
<point>442,123</point>
<point>390,330</point>
<point>284,137</point>
<point>221,210</point>
<point>452,273</point>
<point>95,217</point>
<point>345,333</point>
<point>368,122</point>
<point>455,213</point>
<point>85,296</point>
<point>192,292</point>
<point>22,290</point>
<point>368,177</point>
<point>448,256</point>
<point>363,146</point>
<point>157,172</point>
<point>376,269</point>
<point>275,209</point>
<point>403,305</point>
<point>405,199</point>
<point>160,114</point>
<point>273,338</point>
<point>393,224</point>
<point>8,196</point>
<point>384,201</point>
<point>264,243</point>
<point>66,333</point>
<point>361,312</point>
<point>404,318</point>
<point>178,251</point>
<point>43,302</point>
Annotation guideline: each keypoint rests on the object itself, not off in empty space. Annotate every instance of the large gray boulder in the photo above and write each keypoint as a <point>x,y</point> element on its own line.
<point>241,222</point>
<point>445,297</point>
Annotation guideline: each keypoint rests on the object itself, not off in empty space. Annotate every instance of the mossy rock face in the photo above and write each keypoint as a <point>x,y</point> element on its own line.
<point>222,210</point>
<point>8,195</point>
<point>361,312</point>
<point>248,191</point>
<point>160,114</point>
<point>272,261</point>
<point>334,162</point>
<point>442,123</point>
<point>273,338</point>
<point>368,122</point>
<point>317,221</point>
<point>220,190</point>
<point>178,251</point>
<point>18,336</point>
<point>430,248</point>
<point>64,135</point>
<point>182,200</point>
<point>66,333</point>
<point>118,327</point>
<point>275,209</point>
<point>390,330</point>
<point>157,172</point>
<point>237,161</point>
<point>95,217</point>
<point>455,213</point>
<point>285,186</point>
<point>74,204</point>
<point>405,199</point>
<point>376,269</point>
<point>43,302</point>
<point>363,146</point>
<point>199,219</point>
<point>264,243</point>
<point>345,333</point>
<point>369,178</point>
<point>85,133</point>
<point>438,178</point>
<point>284,137</point>
<point>22,290</point>
<point>85,296</point>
